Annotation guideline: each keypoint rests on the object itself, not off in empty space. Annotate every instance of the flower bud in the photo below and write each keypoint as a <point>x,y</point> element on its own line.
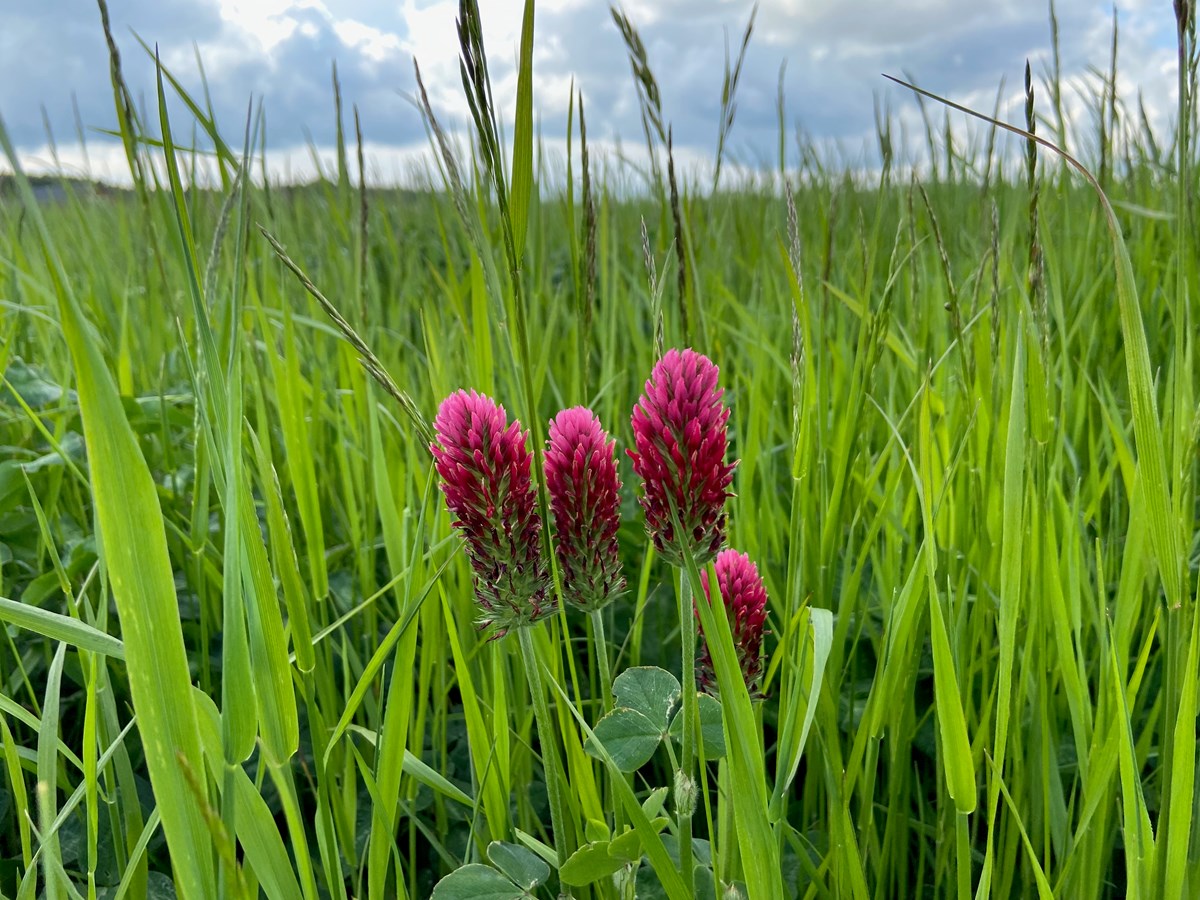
<point>685,794</point>
<point>745,602</point>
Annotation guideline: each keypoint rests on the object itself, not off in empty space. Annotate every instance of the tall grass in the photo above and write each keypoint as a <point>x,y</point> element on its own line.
<point>238,656</point>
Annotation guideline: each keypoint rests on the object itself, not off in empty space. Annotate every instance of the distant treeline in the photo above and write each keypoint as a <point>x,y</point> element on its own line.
<point>54,187</point>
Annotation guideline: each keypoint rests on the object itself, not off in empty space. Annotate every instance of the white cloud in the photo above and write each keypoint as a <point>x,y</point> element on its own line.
<point>267,20</point>
<point>374,43</point>
<point>282,50</point>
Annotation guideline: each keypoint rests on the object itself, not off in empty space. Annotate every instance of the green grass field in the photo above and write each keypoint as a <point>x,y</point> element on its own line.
<point>238,654</point>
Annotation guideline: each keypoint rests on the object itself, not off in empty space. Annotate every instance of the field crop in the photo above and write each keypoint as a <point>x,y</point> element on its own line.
<point>240,652</point>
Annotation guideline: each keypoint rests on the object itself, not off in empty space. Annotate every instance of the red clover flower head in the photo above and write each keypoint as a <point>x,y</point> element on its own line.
<point>745,602</point>
<point>484,466</point>
<point>581,477</point>
<point>679,428</point>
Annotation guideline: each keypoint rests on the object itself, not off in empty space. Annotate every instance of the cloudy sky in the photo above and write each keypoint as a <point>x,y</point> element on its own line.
<point>53,60</point>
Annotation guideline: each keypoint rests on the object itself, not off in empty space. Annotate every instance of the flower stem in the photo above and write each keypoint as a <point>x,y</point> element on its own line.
<point>600,644</point>
<point>601,649</point>
<point>547,742</point>
<point>687,762</point>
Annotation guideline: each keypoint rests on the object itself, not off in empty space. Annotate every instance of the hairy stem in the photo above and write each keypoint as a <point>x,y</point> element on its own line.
<point>546,740</point>
<point>687,761</point>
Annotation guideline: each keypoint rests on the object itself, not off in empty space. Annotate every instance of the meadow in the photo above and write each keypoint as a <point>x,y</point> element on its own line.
<point>240,655</point>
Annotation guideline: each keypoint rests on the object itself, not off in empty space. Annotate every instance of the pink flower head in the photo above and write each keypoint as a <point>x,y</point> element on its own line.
<point>484,466</point>
<point>745,601</point>
<point>679,430</point>
<point>581,476</point>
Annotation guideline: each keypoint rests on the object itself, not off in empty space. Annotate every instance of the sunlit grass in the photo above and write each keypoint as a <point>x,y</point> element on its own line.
<point>239,652</point>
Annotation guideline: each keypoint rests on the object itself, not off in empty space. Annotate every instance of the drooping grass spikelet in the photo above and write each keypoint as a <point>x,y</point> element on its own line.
<point>484,466</point>
<point>745,601</point>
<point>679,428</point>
<point>584,488</point>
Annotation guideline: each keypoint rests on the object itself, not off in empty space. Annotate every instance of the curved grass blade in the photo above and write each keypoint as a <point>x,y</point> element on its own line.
<point>58,627</point>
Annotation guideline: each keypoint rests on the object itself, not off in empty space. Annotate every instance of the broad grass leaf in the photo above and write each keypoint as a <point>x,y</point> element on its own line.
<point>820,624</point>
<point>134,548</point>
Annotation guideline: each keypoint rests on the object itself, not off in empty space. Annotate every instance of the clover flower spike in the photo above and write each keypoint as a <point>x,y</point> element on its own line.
<point>745,602</point>
<point>679,429</point>
<point>584,488</point>
<point>484,465</point>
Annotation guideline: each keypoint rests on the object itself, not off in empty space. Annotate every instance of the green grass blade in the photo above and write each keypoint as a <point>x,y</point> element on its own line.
<point>57,885</point>
<point>651,842</point>
<point>283,554</point>
<point>419,771</point>
<point>1011,571</point>
<point>128,880</point>
<point>379,657</point>
<point>256,828</point>
<point>1183,773</point>
<point>134,548</point>
<point>58,627</point>
<point>820,626</point>
<point>1147,426</point>
<point>1135,827</point>
<point>239,691</point>
<point>16,784</point>
<point>224,153</point>
<point>268,646</point>
<point>522,164</point>
<point>1043,886</point>
<point>760,851</point>
<point>393,747</point>
<point>952,726</point>
<point>493,794</point>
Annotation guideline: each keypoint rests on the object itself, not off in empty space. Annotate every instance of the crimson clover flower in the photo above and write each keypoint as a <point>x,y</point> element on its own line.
<point>581,478</point>
<point>484,466</point>
<point>745,602</point>
<point>679,428</point>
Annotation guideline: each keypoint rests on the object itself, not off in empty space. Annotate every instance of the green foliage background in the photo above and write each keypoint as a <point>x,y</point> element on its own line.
<point>213,517</point>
